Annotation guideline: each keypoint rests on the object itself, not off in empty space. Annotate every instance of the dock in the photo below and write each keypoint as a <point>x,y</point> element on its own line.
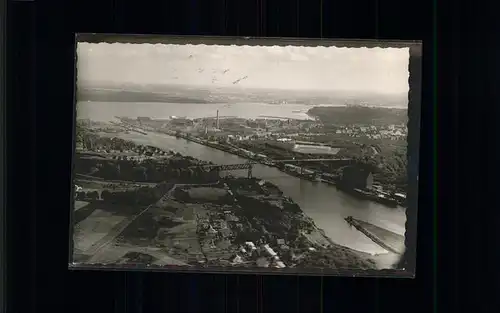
<point>387,239</point>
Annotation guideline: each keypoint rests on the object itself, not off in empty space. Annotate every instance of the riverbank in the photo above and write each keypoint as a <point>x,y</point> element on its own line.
<point>248,155</point>
<point>313,176</point>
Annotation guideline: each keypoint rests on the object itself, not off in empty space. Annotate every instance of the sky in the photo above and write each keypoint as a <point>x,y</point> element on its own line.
<point>378,70</point>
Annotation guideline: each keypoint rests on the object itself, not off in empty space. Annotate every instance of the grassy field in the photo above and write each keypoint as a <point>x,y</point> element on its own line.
<point>96,226</point>
<point>80,204</point>
<point>119,254</point>
<point>207,193</point>
<point>99,219</point>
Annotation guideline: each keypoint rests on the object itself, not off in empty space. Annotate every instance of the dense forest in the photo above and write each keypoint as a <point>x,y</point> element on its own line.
<point>389,165</point>
<point>177,168</point>
<point>350,115</point>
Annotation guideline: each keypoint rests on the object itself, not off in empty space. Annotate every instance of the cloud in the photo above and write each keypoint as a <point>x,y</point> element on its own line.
<point>290,67</point>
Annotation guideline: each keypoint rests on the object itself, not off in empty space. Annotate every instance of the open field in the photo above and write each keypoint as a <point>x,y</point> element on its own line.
<point>118,254</point>
<point>80,204</point>
<point>94,228</point>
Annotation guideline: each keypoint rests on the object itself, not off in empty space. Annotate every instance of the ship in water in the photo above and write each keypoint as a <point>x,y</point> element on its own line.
<point>297,172</point>
<point>383,199</point>
<point>279,102</point>
<point>401,198</point>
<point>368,194</point>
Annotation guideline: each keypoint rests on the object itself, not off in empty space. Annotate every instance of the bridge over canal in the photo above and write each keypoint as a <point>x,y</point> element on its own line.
<point>249,165</point>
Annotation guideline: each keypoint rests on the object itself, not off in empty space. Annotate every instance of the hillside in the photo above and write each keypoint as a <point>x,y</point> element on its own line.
<point>137,96</point>
<point>359,115</point>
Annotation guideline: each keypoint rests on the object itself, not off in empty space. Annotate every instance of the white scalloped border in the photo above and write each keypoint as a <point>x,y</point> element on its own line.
<point>316,45</point>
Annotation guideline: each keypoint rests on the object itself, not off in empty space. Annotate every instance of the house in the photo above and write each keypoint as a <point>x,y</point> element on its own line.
<point>269,250</point>
<point>251,245</point>
<point>237,259</point>
<point>284,139</point>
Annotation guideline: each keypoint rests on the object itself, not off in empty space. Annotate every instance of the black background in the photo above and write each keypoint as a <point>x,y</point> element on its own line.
<point>460,68</point>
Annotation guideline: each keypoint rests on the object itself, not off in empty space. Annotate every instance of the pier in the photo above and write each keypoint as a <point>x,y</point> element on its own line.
<point>387,239</point>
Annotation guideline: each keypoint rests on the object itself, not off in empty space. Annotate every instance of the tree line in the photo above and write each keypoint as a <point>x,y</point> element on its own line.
<point>181,171</point>
<point>141,196</point>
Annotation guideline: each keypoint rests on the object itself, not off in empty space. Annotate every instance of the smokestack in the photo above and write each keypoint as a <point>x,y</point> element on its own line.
<point>217,121</point>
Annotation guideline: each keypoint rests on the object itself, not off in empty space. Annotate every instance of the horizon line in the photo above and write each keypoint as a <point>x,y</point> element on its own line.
<point>353,92</point>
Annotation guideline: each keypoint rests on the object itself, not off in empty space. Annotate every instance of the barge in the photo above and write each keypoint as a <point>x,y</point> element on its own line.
<point>366,194</point>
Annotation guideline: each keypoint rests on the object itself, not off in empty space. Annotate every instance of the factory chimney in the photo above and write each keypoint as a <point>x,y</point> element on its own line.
<point>217,120</point>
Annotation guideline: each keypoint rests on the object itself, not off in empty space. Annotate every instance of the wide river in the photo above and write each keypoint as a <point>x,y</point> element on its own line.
<point>323,203</point>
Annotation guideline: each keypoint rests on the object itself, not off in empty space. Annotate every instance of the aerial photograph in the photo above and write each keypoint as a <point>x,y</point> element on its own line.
<point>234,156</point>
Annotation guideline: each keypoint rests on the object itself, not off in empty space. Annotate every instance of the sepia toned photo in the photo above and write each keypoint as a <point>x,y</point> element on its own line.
<point>248,157</point>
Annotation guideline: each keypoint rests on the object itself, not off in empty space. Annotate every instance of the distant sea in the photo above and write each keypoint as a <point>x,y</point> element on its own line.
<point>106,111</point>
